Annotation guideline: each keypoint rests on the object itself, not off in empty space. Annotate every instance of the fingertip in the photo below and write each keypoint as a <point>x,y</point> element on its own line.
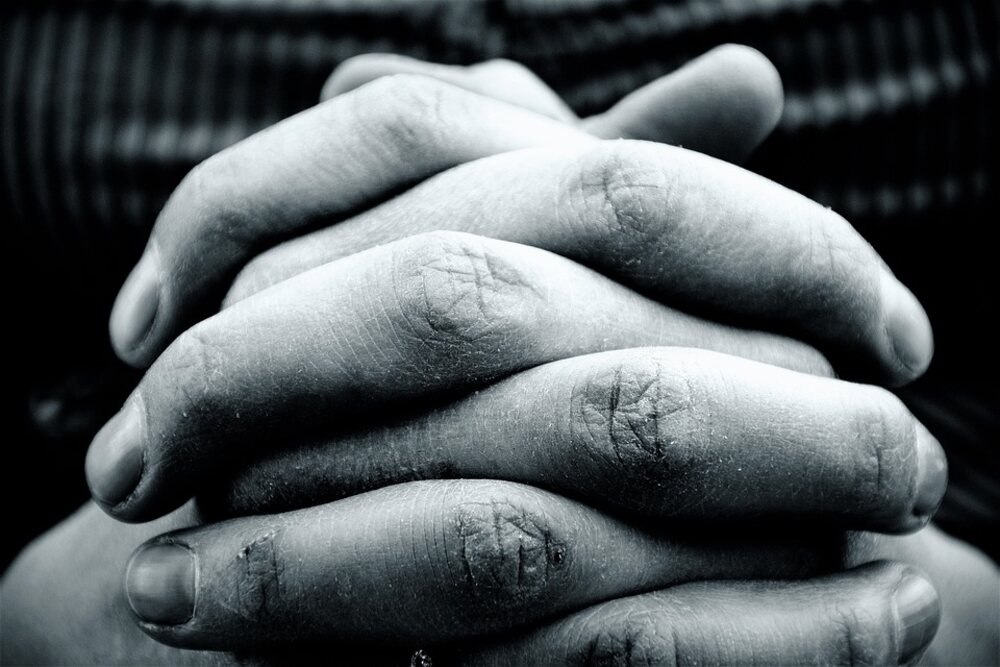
<point>723,103</point>
<point>753,83</point>
<point>928,488</point>
<point>755,69</point>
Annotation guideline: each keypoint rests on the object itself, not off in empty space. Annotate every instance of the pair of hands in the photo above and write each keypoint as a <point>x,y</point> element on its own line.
<point>584,383</point>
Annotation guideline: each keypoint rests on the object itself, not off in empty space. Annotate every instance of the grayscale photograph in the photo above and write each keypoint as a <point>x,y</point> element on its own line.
<point>490,333</point>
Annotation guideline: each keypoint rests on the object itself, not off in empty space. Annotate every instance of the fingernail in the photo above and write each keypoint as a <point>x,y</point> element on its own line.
<point>908,327</point>
<point>114,460</point>
<point>918,612</point>
<point>159,584</point>
<point>932,474</point>
<point>135,308</point>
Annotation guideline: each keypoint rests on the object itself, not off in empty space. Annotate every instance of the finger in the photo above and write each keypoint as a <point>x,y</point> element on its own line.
<point>724,104</point>
<point>499,79</point>
<point>878,614</point>
<point>695,433</point>
<point>966,579</point>
<point>307,170</point>
<point>62,601</point>
<point>421,562</point>
<point>409,321</point>
<point>684,228</point>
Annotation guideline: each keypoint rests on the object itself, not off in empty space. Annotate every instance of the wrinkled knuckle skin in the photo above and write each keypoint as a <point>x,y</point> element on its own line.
<point>861,633</point>
<point>190,379</point>
<point>403,114</point>
<point>455,290</point>
<point>605,189</point>
<point>638,421</point>
<point>193,359</point>
<point>631,642</point>
<point>510,557</point>
<point>886,427</point>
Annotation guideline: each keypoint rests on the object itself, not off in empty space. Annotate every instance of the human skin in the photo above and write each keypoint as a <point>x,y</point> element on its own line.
<point>800,356</point>
<point>80,564</point>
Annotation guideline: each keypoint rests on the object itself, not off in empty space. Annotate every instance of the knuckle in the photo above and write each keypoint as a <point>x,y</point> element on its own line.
<point>612,187</point>
<point>214,204</point>
<point>888,432</point>
<point>637,418</point>
<point>845,268</point>
<point>509,554</point>
<point>458,289</point>
<point>861,629</point>
<point>402,114</point>
<point>256,572</point>
<point>862,618</point>
<point>634,641</point>
<point>190,368</point>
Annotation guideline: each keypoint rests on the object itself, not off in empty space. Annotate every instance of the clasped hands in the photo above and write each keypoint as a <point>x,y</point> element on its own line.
<point>487,383</point>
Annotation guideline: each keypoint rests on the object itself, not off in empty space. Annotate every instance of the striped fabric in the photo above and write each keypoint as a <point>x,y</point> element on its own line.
<point>891,118</point>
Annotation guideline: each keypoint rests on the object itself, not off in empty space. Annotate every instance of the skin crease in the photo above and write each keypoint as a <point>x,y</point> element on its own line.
<point>31,569</point>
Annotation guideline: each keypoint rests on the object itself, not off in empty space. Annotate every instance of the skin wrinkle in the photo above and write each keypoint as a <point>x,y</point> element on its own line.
<point>402,263</point>
<point>474,274</point>
<point>417,113</point>
<point>593,420</point>
<point>442,315</point>
<point>492,535</point>
<point>879,464</point>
